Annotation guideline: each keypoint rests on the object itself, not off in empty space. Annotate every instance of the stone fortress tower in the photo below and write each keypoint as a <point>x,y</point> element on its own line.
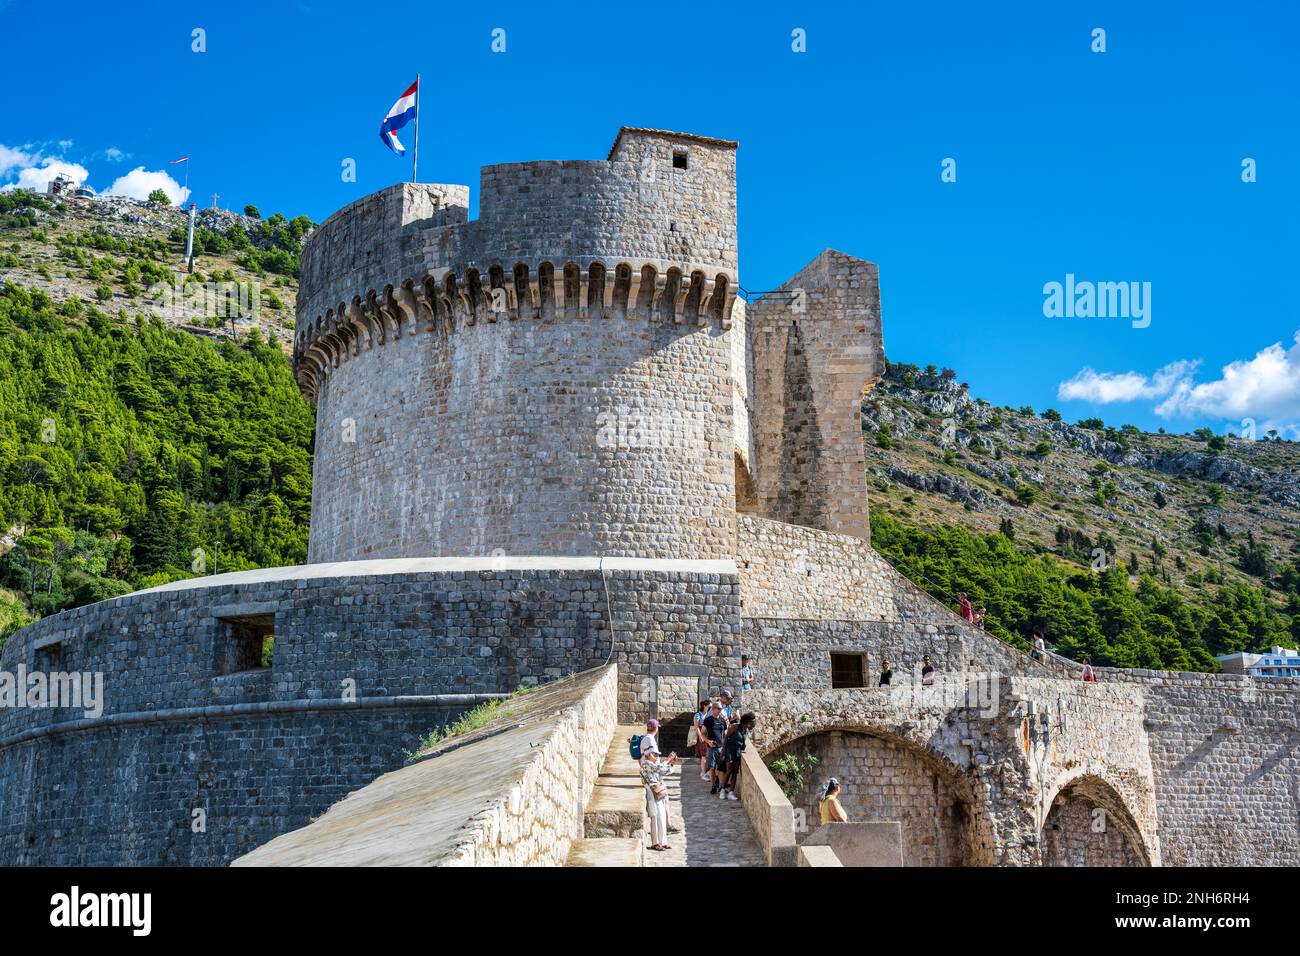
<point>566,375</point>
<point>560,436</point>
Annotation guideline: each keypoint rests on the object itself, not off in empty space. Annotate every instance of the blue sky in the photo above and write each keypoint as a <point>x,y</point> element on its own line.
<point>1122,166</point>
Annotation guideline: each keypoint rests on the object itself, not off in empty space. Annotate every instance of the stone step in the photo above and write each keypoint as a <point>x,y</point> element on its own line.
<point>607,851</point>
<point>617,804</point>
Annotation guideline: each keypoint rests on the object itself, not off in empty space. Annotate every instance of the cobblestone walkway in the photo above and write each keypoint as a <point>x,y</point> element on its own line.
<point>711,832</point>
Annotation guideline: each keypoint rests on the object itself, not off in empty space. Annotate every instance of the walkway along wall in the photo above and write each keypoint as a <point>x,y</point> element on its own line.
<point>200,753</point>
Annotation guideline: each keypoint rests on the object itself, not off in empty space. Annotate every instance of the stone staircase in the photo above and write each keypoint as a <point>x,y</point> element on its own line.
<point>614,824</point>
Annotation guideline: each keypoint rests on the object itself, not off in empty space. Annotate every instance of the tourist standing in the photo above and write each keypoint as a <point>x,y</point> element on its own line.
<point>1088,674</point>
<point>715,732</point>
<point>736,739</point>
<point>701,738</point>
<point>829,805</point>
<point>927,671</point>
<point>1040,648</point>
<point>967,611</point>
<point>746,674</point>
<point>653,771</point>
<point>886,673</point>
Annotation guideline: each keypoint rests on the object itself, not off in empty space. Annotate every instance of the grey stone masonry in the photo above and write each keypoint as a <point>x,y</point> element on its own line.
<point>554,377</point>
<point>367,658</point>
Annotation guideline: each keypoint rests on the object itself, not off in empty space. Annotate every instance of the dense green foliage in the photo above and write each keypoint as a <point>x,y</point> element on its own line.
<point>1085,612</point>
<point>135,454</point>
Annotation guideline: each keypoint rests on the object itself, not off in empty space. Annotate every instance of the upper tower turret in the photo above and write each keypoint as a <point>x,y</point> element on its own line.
<point>553,377</point>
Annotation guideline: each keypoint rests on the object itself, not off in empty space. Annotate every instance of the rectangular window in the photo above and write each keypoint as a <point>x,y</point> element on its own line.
<point>245,643</point>
<point>679,159</point>
<point>49,657</point>
<point>847,670</point>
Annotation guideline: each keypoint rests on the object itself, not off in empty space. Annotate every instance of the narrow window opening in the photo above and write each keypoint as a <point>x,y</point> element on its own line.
<point>847,670</point>
<point>49,658</point>
<point>679,159</point>
<point>245,643</point>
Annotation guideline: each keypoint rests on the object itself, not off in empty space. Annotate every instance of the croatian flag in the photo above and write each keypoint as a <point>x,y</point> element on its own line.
<point>403,112</point>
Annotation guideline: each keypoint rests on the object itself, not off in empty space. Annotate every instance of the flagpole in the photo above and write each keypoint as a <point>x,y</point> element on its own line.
<point>415,162</point>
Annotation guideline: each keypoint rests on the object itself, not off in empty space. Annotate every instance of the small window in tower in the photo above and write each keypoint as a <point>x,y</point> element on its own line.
<point>49,657</point>
<point>245,643</point>
<point>679,159</point>
<point>847,670</point>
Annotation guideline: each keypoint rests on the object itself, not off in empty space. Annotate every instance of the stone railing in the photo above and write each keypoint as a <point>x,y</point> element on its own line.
<point>818,856</point>
<point>536,823</point>
<point>512,793</point>
<point>770,813</point>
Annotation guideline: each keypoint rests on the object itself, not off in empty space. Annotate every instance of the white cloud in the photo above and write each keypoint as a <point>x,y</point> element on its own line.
<point>37,177</point>
<point>1104,388</point>
<point>140,182</point>
<point>12,158</point>
<point>1266,386</point>
<point>114,155</point>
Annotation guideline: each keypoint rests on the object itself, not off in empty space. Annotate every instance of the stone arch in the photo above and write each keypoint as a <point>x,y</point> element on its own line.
<point>645,294</point>
<point>523,294</point>
<point>596,290</point>
<point>496,280</point>
<point>666,304</point>
<point>1088,824</point>
<point>622,289</point>
<point>692,307</point>
<point>718,299</point>
<point>886,777</point>
<point>546,289</point>
<point>572,290</point>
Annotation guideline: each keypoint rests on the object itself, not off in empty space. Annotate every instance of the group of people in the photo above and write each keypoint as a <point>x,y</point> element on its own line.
<point>971,613</point>
<point>1039,653</point>
<point>927,672</point>
<point>719,734</point>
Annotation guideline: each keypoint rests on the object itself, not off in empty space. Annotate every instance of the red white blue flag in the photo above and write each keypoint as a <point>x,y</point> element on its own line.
<point>403,112</point>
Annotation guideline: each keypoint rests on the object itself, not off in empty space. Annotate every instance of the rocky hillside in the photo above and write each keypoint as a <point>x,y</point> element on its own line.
<point>1188,509</point>
<point>126,258</point>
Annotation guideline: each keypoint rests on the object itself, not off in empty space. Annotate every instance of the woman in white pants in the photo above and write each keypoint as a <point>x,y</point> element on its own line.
<point>653,771</point>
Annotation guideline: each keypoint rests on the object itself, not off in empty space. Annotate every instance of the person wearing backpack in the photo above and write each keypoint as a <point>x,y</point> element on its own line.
<point>736,738</point>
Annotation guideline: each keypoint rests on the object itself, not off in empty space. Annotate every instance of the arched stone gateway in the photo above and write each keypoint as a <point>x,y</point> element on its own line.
<point>1089,825</point>
<point>886,778</point>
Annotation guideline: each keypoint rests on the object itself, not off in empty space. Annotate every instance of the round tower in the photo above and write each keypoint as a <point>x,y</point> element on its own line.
<point>552,378</point>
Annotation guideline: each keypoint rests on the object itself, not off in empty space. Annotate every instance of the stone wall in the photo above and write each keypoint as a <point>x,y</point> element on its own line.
<point>554,377</point>
<point>817,346</point>
<point>809,592</point>
<point>770,814</point>
<point>566,437</point>
<point>368,657</point>
<point>885,782</point>
<point>512,793</point>
<point>367,242</point>
<point>1226,755</point>
<point>972,765</point>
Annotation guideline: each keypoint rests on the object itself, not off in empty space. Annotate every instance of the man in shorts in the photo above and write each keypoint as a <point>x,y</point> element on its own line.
<point>714,727</point>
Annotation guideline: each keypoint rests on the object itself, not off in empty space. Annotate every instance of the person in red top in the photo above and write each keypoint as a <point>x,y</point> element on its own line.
<point>1088,675</point>
<point>967,611</point>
